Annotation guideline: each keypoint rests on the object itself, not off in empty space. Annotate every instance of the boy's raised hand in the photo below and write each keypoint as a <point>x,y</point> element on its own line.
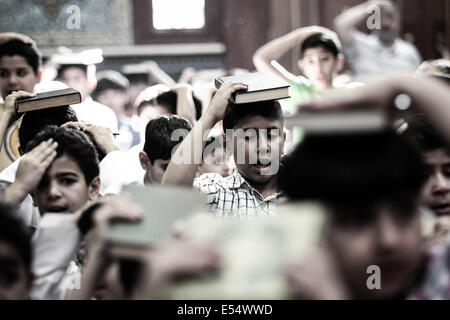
<point>218,106</point>
<point>31,169</point>
<point>34,164</point>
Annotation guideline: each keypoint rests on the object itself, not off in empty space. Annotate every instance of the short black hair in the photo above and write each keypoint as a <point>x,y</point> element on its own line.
<point>169,100</point>
<point>14,233</point>
<point>423,136</point>
<point>321,40</point>
<point>354,172</point>
<point>29,51</point>
<point>63,67</point>
<point>270,109</point>
<point>158,136</point>
<point>73,143</point>
<point>110,79</point>
<point>35,121</point>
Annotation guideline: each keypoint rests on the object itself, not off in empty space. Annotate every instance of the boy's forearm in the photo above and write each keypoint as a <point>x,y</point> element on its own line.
<point>276,48</point>
<point>184,162</point>
<point>14,195</point>
<point>4,121</point>
<point>432,98</point>
<point>347,21</point>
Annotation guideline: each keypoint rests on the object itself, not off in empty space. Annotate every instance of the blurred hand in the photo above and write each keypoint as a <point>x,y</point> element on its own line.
<point>316,277</point>
<point>103,137</point>
<point>185,257</point>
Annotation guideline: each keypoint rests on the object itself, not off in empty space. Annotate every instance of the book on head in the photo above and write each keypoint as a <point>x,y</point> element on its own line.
<point>49,99</point>
<point>262,86</point>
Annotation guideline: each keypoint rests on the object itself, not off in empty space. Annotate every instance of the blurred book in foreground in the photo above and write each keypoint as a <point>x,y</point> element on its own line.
<point>345,121</point>
<point>253,253</point>
<point>163,207</point>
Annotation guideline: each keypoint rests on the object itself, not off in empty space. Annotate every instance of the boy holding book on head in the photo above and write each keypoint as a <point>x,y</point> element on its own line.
<point>376,220</point>
<point>20,70</point>
<point>255,136</point>
<point>320,60</point>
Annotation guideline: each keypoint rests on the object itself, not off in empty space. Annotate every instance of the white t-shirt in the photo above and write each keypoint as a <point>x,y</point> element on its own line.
<point>97,114</point>
<point>368,56</point>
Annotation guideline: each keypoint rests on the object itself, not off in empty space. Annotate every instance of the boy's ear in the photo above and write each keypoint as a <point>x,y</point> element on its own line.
<point>340,62</point>
<point>300,65</point>
<point>39,76</point>
<point>94,189</point>
<point>144,160</point>
<point>33,198</point>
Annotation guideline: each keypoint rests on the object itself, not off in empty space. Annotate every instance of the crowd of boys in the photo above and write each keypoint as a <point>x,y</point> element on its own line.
<point>61,192</point>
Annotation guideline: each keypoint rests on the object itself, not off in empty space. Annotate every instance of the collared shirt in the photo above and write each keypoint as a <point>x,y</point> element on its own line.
<point>369,57</point>
<point>233,196</point>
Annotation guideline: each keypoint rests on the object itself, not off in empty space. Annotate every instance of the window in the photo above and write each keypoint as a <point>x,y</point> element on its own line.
<point>178,14</point>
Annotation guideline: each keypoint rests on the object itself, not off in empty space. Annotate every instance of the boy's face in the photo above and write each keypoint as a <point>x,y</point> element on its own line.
<point>153,171</point>
<point>63,188</point>
<point>14,278</point>
<point>258,146</point>
<point>76,78</point>
<point>16,74</point>
<point>115,99</point>
<point>436,190</point>
<point>391,240</point>
<point>319,66</point>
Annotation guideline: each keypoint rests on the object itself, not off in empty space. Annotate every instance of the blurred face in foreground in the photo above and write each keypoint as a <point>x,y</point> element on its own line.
<point>391,240</point>
<point>14,279</point>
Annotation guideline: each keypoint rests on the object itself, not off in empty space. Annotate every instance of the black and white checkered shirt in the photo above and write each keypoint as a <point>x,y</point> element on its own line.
<point>233,196</point>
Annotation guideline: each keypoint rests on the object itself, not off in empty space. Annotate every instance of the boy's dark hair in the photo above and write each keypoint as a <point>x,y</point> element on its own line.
<point>29,51</point>
<point>14,233</point>
<point>423,136</point>
<point>110,79</point>
<point>168,100</point>
<point>73,143</point>
<point>35,121</point>
<point>158,136</point>
<point>268,109</point>
<point>352,173</point>
<point>321,40</point>
<point>60,70</point>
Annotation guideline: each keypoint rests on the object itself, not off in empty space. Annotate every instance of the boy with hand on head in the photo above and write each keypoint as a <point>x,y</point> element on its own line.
<point>383,50</point>
<point>255,131</point>
<point>320,60</point>
<point>387,233</point>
